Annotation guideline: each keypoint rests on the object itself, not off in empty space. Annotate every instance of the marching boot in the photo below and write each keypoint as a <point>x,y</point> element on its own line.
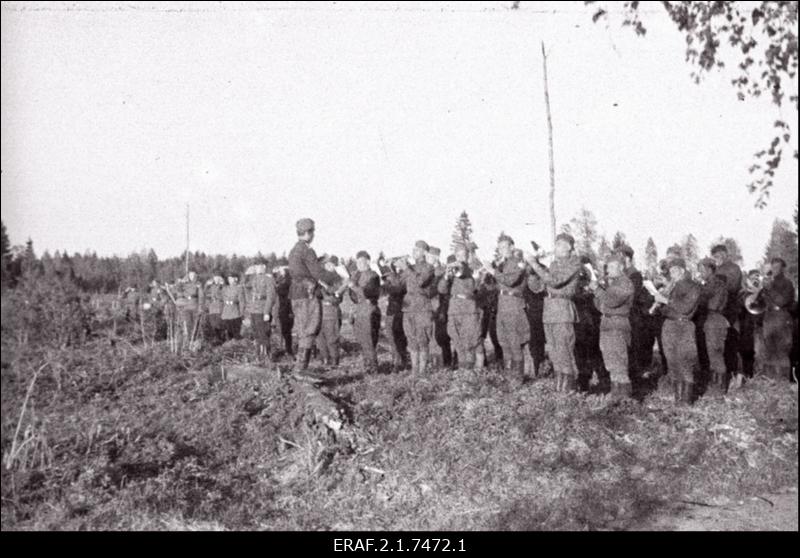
<point>688,393</point>
<point>414,358</point>
<point>518,369</point>
<point>620,391</point>
<point>480,357</point>
<point>423,362</point>
<point>303,358</point>
<point>569,383</point>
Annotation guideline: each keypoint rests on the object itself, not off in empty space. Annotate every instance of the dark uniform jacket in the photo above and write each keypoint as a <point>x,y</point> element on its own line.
<point>417,279</point>
<point>460,288</point>
<point>190,296</point>
<point>214,298</point>
<point>779,295</point>
<point>305,270</point>
<point>330,295</point>
<point>732,274</point>
<point>396,290</point>
<point>233,297</point>
<point>562,280</point>
<point>616,299</point>
<point>261,294</point>
<point>511,278</point>
<point>683,300</point>
<point>366,288</point>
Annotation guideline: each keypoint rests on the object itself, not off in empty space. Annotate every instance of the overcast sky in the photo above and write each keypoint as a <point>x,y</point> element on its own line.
<point>382,123</point>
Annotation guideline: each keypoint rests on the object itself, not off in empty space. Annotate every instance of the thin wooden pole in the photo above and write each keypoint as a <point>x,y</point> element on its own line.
<point>550,151</point>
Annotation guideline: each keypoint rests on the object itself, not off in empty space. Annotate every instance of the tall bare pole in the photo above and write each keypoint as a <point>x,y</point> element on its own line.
<point>186,271</point>
<point>550,151</point>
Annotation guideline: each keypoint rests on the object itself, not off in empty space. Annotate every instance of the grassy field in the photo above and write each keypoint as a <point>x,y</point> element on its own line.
<point>118,437</point>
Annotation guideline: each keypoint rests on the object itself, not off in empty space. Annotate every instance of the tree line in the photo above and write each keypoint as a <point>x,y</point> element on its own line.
<point>108,274</point>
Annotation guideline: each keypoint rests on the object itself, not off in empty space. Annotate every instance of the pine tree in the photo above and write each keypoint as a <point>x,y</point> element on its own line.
<point>604,250</point>
<point>584,226</point>
<point>691,251</point>
<point>462,234</point>
<point>783,244</point>
<point>651,258</point>
<point>619,241</point>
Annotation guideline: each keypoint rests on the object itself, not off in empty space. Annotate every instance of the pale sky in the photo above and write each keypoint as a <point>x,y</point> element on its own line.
<point>382,123</point>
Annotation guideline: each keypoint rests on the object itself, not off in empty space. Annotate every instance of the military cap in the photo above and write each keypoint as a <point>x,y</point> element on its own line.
<point>422,244</point>
<point>676,262</point>
<point>708,263</point>
<point>505,238</point>
<point>451,259</point>
<point>434,251</point>
<point>304,225</point>
<point>332,259</point>
<point>719,248</point>
<point>625,250</point>
<point>362,254</point>
<point>566,237</point>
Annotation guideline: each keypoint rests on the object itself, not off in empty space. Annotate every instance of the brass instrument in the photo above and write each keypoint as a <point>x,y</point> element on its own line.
<point>665,290</point>
<point>754,302</point>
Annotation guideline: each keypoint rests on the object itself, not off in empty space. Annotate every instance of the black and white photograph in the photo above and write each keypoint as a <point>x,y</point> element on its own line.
<point>399,274</point>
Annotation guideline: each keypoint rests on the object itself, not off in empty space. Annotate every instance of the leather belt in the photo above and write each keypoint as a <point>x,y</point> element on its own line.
<point>463,297</point>
<point>510,293</point>
<point>229,301</point>
<point>680,319</point>
<point>551,295</point>
<point>326,303</point>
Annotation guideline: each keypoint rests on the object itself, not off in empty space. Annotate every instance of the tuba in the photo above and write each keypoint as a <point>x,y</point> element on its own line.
<point>753,302</point>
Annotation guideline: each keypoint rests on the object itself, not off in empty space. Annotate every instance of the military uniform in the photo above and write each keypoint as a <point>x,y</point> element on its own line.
<point>396,291</point>
<point>364,292</point>
<point>588,356</point>
<point>463,322</point>
<point>778,295</point>
<point>559,316</point>
<point>487,298</point>
<point>713,301</point>
<point>441,349</point>
<point>614,301</point>
<point>678,336</point>
<point>283,309</point>
<point>260,300</point>
<point>732,275</point>
<point>153,310</point>
<point>643,331</point>
<point>214,304</point>
<point>305,271</point>
<point>190,301</point>
<point>513,330</point>
<point>233,309</point>
<point>534,307</point>
<point>328,337</point>
<point>418,312</point>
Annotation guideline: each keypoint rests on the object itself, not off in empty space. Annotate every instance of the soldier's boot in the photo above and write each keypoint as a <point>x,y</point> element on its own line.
<point>569,383</point>
<point>303,358</point>
<point>414,358</point>
<point>423,362</point>
<point>687,396</point>
<point>620,391</point>
<point>480,358</point>
<point>678,388</point>
<point>518,370</point>
<point>435,361</point>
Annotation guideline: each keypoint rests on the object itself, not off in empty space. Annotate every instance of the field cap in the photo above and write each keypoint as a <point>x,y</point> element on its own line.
<point>362,254</point>
<point>422,244</point>
<point>434,251</point>
<point>566,238</point>
<point>304,225</point>
<point>677,262</point>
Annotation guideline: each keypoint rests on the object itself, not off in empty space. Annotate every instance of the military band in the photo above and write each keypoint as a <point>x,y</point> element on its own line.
<point>709,323</point>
